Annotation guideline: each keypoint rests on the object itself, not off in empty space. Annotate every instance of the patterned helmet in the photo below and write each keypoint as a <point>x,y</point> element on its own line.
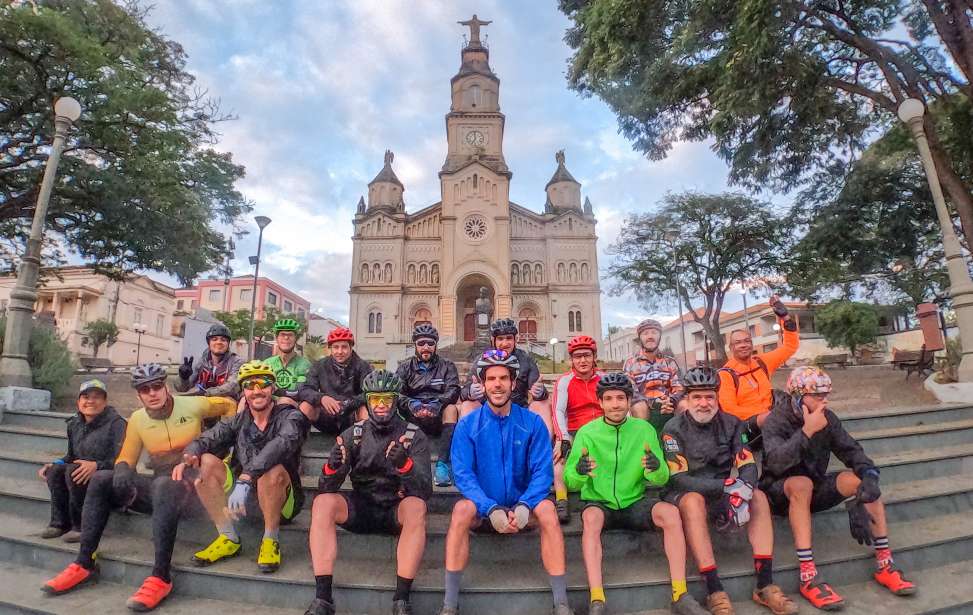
<point>255,368</point>
<point>503,326</point>
<point>425,331</point>
<point>286,324</point>
<point>807,380</point>
<point>148,373</point>
<point>218,330</point>
<point>494,357</point>
<point>341,334</point>
<point>381,381</point>
<point>614,381</point>
<point>648,323</point>
<point>701,379</point>
<point>582,342</point>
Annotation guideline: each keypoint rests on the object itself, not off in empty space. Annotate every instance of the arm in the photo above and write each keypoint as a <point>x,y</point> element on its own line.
<point>117,433</point>
<point>679,475</point>
<point>792,340</point>
<point>782,450</point>
<point>451,393</point>
<point>533,376</point>
<point>331,480</point>
<point>540,463</point>
<point>464,393</point>
<point>230,388</point>
<point>404,398</point>
<point>215,440</point>
<point>281,448</point>
<point>572,479</point>
<point>183,385</point>
<point>661,476</point>
<point>132,444</point>
<point>743,457</point>
<point>728,394</point>
<point>559,405</point>
<point>463,456</point>
<point>846,448</point>
<point>676,388</point>
<point>310,389</point>
<point>215,407</point>
<point>417,480</point>
<point>71,455</point>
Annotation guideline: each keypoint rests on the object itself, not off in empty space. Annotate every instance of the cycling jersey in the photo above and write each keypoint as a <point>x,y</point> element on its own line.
<point>620,479</point>
<point>701,456</point>
<point>216,379</point>
<point>165,439</point>
<point>575,402</point>
<point>653,377</point>
<point>529,374</point>
<point>289,377</point>
<point>748,394</point>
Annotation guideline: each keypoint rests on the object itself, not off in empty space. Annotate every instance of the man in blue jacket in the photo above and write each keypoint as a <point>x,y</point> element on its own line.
<point>502,465</point>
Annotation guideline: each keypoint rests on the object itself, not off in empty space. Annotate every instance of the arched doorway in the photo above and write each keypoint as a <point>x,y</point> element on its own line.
<point>527,324</point>
<point>466,295</point>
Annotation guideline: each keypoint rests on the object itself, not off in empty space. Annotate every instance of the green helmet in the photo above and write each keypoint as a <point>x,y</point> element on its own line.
<point>381,381</point>
<point>286,324</point>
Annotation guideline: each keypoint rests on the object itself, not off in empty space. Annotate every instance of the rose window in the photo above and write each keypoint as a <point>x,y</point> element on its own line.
<point>475,227</point>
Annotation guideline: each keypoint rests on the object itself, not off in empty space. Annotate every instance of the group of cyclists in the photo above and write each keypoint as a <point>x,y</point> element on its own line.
<point>646,448</point>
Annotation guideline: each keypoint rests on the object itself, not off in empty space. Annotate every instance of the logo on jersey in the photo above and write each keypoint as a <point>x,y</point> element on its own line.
<point>669,444</point>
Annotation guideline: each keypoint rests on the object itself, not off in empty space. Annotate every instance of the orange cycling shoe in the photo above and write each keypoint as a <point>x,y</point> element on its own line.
<point>892,579</point>
<point>153,591</point>
<point>821,596</point>
<point>69,578</point>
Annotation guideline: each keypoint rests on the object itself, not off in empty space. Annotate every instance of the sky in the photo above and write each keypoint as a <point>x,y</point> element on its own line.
<point>321,89</point>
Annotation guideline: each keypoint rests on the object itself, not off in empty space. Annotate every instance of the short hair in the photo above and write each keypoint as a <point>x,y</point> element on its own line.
<point>735,331</point>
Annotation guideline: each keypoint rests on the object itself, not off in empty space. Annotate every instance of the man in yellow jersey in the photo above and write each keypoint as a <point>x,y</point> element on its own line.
<point>163,427</point>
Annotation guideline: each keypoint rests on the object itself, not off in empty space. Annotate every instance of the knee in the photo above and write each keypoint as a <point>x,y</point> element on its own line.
<point>692,504</point>
<point>101,481</point>
<point>450,414</point>
<point>759,501</point>
<point>325,508</point>
<point>210,465</point>
<point>546,515</point>
<point>164,489</point>
<point>412,511</point>
<point>275,478</point>
<point>666,516</point>
<point>592,519</point>
<point>57,472</point>
<point>798,487</point>
<point>464,512</point>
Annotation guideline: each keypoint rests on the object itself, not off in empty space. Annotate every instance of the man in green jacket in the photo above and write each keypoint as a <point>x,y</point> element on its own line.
<point>290,369</point>
<point>612,459</point>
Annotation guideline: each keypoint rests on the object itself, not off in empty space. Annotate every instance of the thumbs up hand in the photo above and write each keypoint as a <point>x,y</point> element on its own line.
<point>586,464</point>
<point>650,462</point>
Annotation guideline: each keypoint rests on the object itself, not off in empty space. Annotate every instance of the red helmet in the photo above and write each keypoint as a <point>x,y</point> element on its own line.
<point>341,334</point>
<point>582,342</point>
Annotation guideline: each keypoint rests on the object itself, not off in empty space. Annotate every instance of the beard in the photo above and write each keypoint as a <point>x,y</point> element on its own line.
<point>701,418</point>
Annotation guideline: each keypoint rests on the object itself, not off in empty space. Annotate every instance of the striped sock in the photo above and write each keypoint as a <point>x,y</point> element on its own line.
<point>883,555</point>
<point>806,559</point>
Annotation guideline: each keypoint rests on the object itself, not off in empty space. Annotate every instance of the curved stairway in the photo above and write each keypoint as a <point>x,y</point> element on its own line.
<point>925,455</point>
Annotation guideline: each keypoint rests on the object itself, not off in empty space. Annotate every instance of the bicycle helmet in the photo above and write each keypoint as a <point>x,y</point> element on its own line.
<point>255,368</point>
<point>648,323</point>
<point>425,331</point>
<point>807,380</point>
<point>494,357</point>
<point>614,381</point>
<point>218,330</point>
<point>503,326</point>
<point>286,324</point>
<point>582,342</point>
<point>701,379</point>
<point>148,373</point>
<point>381,381</point>
<point>341,334</point>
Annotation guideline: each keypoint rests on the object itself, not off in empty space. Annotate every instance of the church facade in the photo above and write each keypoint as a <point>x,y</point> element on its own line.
<point>428,265</point>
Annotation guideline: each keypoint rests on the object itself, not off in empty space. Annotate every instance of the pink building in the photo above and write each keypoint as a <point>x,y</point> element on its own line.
<point>230,295</point>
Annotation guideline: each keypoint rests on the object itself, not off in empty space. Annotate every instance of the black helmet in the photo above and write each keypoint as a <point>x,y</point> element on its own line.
<point>381,381</point>
<point>148,373</point>
<point>614,381</point>
<point>701,379</point>
<point>425,331</point>
<point>218,330</point>
<point>497,357</point>
<point>503,326</point>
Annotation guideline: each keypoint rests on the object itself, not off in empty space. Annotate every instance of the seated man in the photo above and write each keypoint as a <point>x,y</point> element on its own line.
<point>95,437</point>
<point>745,388</point>
<point>656,377</point>
<point>625,452</point>
<point>388,460</point>
<point>575,404</point>
<point>502,464</point>
<point>800,436</point>
<point>430,390</point>
<point>215,375</point>
<point>702,447</point>
<point>163,428</point>
<point>263,474</point>
<point>290,369</point>
<point>330,396</point>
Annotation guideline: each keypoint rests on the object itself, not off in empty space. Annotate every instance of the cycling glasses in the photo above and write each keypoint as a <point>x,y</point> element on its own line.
<point>384,399</point>
<point>429,343</point>
<point>152,386</point>
<point>257,383</point>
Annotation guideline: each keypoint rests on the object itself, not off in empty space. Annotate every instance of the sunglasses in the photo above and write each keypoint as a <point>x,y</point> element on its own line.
<point>582,355</point>
<point>429,343</point>
<point>385,399</point>
<point>257,383</point>
<point>152,386</point>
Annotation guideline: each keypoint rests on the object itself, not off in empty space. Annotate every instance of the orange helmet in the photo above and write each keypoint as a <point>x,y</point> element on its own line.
<point>808,380</point>
<point>582,342</point>
<point>341,334</point>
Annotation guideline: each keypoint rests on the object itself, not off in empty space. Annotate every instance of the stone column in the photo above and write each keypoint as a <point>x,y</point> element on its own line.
<point>504,306</point>
<point>447,317</point>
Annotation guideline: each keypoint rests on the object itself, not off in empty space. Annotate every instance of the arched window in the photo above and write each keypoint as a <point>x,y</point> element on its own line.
<point>422,316</point>
<point>434,273</point>
<point>371,322</point>
<point>577,321</point>
<point>585,273</point>
<point>364,273</point>
<point>388,272</point>
<point>475,95</point>
<point>378,322</point>
<point>527,325</point>
<point>423,274</point>
<point>412,274</point>
<point>571,321</point>
<point>515,274</point>
<point>375,321</point>
<point>528,277</point>
<point>538,274</point>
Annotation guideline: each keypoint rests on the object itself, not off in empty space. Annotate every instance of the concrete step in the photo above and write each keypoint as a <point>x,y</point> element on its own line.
<point>864,420</point>
<point>53,421</point>
<point>916,437</point>
<point>633,582</point>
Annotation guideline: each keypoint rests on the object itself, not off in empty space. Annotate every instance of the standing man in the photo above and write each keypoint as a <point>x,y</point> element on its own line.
<point>215,375</point>
<point>656,377</point>
<point>612,460</point>
<point>95,436</point>
<point>575,404</point>
<point>290,369</point>
<point>162,428</point>
<point>502,464</point>
<point>330,395</point>
<point>430,390</point>
<point>702,447</point>
<point>800,436</point>
<point>745,388</point>
<point>262,476</point>
<point>388,461</point>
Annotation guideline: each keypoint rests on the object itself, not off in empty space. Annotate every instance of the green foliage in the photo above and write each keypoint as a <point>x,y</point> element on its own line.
<point>138,185</point>
<point>51,363</point>
<point>718,240</point>
<point>98,333</point>
<point>314,351</point>
<point>847,323</point>
<point>238,322</point>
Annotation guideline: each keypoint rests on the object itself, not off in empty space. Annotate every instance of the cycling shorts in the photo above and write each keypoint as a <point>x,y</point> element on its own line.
<point>636,516</point>
<point>824,495</point>
<point>365,517</point>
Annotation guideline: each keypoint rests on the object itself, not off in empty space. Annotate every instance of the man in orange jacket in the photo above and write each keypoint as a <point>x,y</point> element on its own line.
<point>745,388</point>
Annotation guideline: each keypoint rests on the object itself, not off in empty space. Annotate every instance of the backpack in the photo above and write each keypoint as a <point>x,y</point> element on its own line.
<point>736,377</point>
<point>359,430</point>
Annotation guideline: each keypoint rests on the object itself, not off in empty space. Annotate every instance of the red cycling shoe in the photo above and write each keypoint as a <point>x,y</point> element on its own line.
<point>821,596</point>
<point>69,578</point>
<point>153,591</point>
<point>892,579</point>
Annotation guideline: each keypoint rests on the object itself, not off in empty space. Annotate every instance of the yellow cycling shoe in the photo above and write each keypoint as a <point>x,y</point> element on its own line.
<point>269,558</point>
<point>221,548</point>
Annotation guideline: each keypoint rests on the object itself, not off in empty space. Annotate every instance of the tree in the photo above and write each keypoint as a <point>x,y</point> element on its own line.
<point>847,323</point>
<point>98,333</point>
<point>51,363</point>
<point>720,240</point>
<point>138,187</point>
<point>783,88</point>
<point>238,322</point>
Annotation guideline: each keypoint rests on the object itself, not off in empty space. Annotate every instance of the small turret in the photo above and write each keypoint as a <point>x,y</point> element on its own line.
<point>588,209</point>
<point>361,205</point>
<point>386,189</point>
<point>563,190</point>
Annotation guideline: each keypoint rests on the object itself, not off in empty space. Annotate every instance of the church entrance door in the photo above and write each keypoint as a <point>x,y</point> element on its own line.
<point>469,327</point>
<point>466,294</point>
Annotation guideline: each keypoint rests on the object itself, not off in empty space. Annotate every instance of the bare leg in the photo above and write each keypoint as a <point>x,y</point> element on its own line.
<point>271,495</point>
<point>552,540</point>
<point>666,516</point>
<point>328,510</point>
<point>450,414</point>
<point>458,535</point>
<point>465,407</point>
<point>798,490</point>
<point>559,485</point>
<point>848,485</point>
<point>760,530</point>
<point>542,408</point>
<point>412,539</point>
<point>692,508</point>
<point>593,521</point>
<point>640,410</point>
<point>212,476</point>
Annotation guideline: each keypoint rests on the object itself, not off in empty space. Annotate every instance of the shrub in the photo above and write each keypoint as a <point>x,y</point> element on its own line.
<point>51,363</point>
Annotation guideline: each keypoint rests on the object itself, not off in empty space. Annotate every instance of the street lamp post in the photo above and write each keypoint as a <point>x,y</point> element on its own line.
<point>671,237</point>
<point>140,329</point>
<point>553,343</point>
<point>911,111</point>
<point>262,222</point>
<point>14,369</point>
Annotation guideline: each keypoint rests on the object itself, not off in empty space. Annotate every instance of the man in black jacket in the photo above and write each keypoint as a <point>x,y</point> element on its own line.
<point>430,390</point>
<point>263,475</point>
<point>702,446</point>
<point>388,461</point>
<point>95,436</point>
<point>331,394</point>
<point>799,437</point>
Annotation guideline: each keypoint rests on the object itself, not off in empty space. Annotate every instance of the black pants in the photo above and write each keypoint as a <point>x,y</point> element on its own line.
<point>165,499</point>
<point>67,497</point>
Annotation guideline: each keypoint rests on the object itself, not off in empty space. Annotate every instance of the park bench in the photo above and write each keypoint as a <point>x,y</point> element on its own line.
<point>914,361</point>
<point>841,360</point>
